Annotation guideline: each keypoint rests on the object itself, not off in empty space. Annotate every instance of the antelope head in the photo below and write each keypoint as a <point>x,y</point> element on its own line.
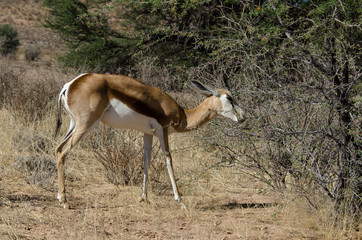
<point>225,104</point>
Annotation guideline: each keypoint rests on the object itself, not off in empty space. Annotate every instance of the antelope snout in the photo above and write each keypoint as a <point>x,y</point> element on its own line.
<point>240,114</point>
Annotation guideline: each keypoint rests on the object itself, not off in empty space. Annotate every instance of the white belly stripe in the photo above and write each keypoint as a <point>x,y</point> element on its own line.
<point>119,115</point>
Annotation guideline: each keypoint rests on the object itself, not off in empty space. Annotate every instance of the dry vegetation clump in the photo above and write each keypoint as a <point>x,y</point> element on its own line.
<point>32,52</point>
<point>149,72</point>
<point>38,169</point>
<point>297,211</point>
<point>27,94</point>
<point>120,153</point>
<point>34,142</point>
<point>34,158</point>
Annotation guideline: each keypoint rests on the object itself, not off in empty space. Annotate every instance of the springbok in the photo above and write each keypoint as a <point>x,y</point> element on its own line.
<point>123,102</point>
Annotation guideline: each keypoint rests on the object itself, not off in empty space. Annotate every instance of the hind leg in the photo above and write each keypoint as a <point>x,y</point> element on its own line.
<point>62,150</point>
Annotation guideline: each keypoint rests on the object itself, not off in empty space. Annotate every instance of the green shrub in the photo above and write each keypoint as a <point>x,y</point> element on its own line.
<point>8,39</point>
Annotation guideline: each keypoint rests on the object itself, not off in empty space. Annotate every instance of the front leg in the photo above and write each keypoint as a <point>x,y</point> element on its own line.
<point>162,135</point>
<point>147,146</point>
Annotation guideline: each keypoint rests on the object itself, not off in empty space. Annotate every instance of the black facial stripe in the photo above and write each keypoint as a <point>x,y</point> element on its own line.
<point>231,100</point>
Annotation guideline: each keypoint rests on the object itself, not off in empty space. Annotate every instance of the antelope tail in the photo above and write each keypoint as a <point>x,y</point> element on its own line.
<point>59,120</point>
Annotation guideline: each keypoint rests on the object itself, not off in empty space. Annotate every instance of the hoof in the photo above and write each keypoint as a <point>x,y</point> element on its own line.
<point>144,200</point>
<point>183,206</point>
<point>62,202</point>
<point>65,205</point>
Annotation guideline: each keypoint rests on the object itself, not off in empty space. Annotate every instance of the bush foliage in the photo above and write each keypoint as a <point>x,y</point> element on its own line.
<point>8,39</point>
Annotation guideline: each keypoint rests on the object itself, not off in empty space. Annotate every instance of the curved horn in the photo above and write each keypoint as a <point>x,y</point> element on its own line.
<point>225,80</point>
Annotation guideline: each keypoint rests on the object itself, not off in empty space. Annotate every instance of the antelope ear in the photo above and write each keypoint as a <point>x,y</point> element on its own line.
<point>204,89</point>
